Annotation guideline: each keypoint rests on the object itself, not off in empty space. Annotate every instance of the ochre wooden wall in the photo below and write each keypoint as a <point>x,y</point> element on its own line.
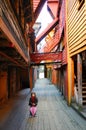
<point>76,27</point>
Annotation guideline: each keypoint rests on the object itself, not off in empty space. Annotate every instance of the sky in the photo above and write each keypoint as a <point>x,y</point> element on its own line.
<point>44,18</point>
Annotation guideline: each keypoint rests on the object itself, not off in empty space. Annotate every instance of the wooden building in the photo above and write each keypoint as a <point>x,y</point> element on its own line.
<point>14,54</point>
<point>63,54</point>
<point>76,45</point>
<point>16,43</point>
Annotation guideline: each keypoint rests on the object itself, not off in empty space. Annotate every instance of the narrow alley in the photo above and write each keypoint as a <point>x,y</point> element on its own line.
<point>53,112</point>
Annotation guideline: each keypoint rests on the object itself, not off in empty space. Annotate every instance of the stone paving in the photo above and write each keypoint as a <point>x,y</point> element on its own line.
<point>52,114</point>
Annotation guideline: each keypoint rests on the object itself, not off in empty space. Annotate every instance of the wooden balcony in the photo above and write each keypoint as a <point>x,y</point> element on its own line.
<point>38,57</point>
<point>9,25</point>
<point>53,42</point>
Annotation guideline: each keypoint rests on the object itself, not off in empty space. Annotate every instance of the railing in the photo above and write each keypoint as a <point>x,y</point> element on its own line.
<point>38,57</point>
<point>10,20</point>
<point>54,41</point>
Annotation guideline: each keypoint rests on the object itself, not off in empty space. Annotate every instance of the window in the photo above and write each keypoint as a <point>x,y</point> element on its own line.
<point>81,2</point>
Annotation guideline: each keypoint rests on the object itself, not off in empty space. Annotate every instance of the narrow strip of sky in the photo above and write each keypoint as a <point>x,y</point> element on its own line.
<point>44,18</point>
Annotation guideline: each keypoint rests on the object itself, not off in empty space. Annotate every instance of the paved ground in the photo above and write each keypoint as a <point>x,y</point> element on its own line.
<point>53,112</point>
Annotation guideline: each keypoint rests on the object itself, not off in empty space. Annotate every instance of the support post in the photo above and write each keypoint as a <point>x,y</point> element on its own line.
<point>45,71</point>
<point>69,80</point>
<point>79,77</point>
<point>30,78</point>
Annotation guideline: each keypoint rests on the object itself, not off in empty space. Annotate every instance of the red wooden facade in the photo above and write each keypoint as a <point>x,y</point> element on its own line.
<point>38,57</point>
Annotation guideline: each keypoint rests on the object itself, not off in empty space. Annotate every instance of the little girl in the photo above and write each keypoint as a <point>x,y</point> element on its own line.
<point>33,101</point>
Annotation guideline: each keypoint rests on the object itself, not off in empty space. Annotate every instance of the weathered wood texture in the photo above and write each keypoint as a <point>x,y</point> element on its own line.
<point>76,27</point>
<point>52,114</point>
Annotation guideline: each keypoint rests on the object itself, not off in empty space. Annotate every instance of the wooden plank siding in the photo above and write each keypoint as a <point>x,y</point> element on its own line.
<point>64,56</point>
<point>64,52</point>
<point>76,27</point>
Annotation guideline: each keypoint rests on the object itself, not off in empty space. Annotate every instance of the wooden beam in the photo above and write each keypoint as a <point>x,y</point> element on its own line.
<point>38,8</point>
<point>9,35</point>
<point>47,30</point>
<point>11,59</point>
<point>46,63</point>
<point>53,7</point>
<point>38,57</point>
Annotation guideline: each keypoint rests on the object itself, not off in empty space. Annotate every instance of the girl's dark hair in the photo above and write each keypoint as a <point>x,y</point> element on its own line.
<point>33,93</point>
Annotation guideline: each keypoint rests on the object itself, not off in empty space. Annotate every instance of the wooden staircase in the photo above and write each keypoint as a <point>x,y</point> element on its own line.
<point>84,88</point>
